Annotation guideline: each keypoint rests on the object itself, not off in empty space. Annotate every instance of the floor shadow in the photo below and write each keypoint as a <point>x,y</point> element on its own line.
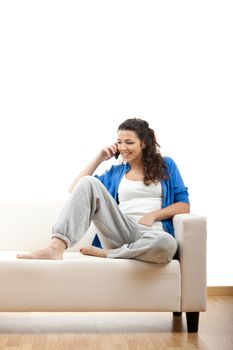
<point>90,322</point>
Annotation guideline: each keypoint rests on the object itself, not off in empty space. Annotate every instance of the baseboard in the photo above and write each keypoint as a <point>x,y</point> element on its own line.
<point>220,291</point>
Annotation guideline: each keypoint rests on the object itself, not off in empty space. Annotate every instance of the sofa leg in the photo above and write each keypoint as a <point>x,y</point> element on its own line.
<point>192,319</point>
<point>177,314</point>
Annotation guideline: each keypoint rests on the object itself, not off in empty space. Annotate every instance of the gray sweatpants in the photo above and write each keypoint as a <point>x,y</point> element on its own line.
<point>91,202</point>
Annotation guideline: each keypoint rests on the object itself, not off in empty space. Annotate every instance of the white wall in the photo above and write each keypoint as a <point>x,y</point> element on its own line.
<point>71,71</point>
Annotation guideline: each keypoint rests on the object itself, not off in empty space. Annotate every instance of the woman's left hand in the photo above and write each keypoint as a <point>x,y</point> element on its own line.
<point>147,220</point>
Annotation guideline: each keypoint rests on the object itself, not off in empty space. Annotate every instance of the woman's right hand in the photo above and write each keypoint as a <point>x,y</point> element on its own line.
<point>108,152</point>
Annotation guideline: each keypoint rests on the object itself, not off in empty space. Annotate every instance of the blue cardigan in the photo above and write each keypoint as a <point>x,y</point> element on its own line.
<point>173,189</point>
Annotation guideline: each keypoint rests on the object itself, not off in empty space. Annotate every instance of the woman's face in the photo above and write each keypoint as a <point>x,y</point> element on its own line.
<point>129,145</point>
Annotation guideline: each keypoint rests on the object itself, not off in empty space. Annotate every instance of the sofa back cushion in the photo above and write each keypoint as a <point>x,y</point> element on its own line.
<point>27,225</point>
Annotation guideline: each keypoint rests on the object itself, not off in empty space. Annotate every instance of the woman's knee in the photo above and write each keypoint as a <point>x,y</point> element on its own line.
<point>87,182</point>
<point>164,247</point>
<point>87,179</point>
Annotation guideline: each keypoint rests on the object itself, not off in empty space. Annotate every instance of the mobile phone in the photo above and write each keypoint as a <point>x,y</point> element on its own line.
<point>116,155</point>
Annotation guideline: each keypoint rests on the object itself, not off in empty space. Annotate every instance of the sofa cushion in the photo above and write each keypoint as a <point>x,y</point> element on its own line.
<point>86,283</point>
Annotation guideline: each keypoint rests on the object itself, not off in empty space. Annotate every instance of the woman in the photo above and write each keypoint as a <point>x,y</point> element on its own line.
<point>131,205</point>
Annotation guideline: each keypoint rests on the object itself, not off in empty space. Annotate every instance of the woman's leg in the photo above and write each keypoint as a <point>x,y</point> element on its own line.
<point>155,247</point>
<point>89,202</point>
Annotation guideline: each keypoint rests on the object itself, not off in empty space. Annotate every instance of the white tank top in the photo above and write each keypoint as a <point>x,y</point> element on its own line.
<point>137,199</point>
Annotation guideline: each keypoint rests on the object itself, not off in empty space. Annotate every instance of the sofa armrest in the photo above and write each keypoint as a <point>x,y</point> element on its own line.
<point>191,236</point>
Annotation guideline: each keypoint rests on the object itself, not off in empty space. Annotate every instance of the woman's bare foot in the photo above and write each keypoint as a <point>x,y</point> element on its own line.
<point>53,252</point>
<point>46,253</point>
<point>94,251</point>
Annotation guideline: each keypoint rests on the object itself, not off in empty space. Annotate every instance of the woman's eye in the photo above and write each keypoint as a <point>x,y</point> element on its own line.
<point>127,143</point>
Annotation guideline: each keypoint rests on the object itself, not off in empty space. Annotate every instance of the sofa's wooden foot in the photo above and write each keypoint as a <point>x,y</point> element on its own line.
<point>177,314</point>
<point>192,319</point>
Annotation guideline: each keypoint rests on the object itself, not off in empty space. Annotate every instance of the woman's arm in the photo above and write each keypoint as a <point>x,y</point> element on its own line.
<point>105,154</point>
<point>165,213</point>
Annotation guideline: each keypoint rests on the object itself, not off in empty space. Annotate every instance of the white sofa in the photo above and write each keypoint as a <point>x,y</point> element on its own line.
<point>85,283</point>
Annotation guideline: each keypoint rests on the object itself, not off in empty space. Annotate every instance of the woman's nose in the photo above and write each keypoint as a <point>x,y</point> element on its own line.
<point>123,147</point>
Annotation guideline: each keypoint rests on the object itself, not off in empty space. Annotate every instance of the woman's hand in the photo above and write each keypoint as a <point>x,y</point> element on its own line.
<point>166,213</point>
<point>147,220</point>
<point>108,152</point>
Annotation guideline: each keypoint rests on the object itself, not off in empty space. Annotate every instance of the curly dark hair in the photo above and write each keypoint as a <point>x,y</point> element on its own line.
<point>154,166</point>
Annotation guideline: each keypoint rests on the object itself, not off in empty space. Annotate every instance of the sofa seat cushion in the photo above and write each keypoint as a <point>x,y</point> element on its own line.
<point>86,283</point>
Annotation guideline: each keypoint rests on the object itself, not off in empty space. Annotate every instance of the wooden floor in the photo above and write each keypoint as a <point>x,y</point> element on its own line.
<point>118,331</point>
